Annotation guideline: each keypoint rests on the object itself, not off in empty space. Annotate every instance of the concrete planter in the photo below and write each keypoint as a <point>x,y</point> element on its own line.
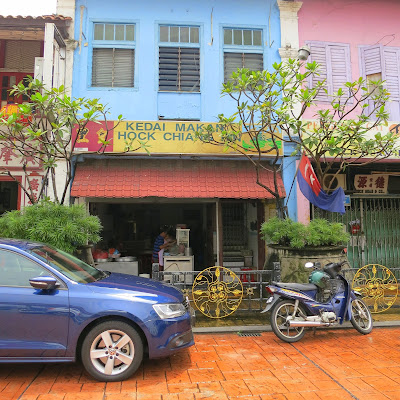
<point>292,260</point>
<point>84,253</point>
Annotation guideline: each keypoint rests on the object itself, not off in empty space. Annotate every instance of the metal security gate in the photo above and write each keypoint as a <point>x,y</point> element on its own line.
<point>374,225</point>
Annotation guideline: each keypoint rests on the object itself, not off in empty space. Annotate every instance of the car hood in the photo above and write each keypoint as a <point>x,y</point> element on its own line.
<point>138,286</point>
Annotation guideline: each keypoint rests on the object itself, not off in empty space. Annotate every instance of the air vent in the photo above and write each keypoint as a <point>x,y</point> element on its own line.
<point>249,334</point>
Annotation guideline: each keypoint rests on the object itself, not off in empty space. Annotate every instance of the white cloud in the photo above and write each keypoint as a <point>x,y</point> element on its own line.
<point>28,7</point>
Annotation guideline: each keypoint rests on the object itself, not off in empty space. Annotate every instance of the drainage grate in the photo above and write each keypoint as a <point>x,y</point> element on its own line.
<point>249,334</point>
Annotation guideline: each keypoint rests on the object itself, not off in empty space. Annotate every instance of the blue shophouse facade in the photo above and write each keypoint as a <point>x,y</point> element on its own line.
<point>127,55</point>
<point>145,101</point>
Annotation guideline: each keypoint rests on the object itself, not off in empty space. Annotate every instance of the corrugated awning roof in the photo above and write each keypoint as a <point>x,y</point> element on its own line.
<point>170,179</point>
<point>48,18</point>
<point>23,27</point>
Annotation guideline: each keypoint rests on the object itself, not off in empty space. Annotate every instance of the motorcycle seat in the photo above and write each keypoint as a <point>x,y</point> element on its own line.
<point>304,287</point>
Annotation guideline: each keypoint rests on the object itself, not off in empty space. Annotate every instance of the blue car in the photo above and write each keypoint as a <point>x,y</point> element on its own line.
<point>56,308</point>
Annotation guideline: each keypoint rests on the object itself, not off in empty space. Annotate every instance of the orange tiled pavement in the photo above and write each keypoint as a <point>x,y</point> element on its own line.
<point>337,364</point>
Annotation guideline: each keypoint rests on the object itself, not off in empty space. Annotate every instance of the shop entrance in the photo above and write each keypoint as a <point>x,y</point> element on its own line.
<point>222,232</point>
<point>133,227</point>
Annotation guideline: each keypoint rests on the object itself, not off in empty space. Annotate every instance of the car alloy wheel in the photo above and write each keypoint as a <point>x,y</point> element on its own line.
<point>112,351</point>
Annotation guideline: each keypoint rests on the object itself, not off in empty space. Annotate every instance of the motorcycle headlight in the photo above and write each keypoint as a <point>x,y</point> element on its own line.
<point>169,310</point>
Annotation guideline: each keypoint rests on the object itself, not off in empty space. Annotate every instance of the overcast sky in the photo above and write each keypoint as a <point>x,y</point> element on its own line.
<point>27,7</point>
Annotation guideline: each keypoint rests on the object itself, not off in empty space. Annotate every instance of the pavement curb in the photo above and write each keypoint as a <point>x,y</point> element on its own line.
<point>267,328</point>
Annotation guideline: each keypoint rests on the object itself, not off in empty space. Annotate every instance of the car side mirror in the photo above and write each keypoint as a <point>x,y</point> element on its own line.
<point>44,282</point>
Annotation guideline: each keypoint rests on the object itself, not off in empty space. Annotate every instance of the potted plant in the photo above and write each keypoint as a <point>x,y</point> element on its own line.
<point>293,244</point>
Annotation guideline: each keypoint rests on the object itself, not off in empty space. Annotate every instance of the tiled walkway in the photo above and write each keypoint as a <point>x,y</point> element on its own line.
<point>336,364</point>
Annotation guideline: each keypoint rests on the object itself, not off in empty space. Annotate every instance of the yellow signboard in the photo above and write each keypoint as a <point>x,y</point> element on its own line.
<point>177,137</point>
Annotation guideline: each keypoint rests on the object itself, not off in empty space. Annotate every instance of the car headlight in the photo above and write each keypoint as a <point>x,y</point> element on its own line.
<point>169,310</point>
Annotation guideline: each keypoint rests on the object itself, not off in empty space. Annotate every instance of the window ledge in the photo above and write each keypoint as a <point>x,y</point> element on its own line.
<point>177,92</point>
<point>113,89</point>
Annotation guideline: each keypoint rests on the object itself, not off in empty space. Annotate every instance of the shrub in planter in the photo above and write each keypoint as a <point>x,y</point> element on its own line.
<point>293,243</point>
<point>65,227</point>
<point>318,233</point>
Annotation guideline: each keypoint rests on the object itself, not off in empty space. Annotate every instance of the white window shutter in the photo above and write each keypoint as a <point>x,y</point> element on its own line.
<point>319,55</point>
<point>391,59</point>
<point>124,66</point>
<point>371,57</point>
<point>384,60</point>
<point>113,67</point>
<point>233,61</point>
<point>339,67</point>
<point>334,67</point>
<point>391,63</point>
<point>254,61</point>
<point>102,64</point>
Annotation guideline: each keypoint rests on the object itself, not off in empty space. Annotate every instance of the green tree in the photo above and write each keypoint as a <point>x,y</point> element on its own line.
<point>270,106</point>
<point>41,131</point>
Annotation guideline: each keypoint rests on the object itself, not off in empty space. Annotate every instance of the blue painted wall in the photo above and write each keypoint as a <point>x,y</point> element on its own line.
<point>144,102</point>
<point>289,169</point>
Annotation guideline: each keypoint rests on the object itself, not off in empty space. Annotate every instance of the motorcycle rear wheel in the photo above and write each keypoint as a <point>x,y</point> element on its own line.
<point>361,317</point>
<point>281,311</point>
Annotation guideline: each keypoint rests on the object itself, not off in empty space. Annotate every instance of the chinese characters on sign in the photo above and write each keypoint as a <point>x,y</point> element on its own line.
<point>372,184</point>
<point>10,158</point>
<point>34,181</point>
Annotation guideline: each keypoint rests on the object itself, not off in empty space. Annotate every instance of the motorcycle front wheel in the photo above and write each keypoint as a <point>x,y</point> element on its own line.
<point>361,317</point>
<point>279,324</point>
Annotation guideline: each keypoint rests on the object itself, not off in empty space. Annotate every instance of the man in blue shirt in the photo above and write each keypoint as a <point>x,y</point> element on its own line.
<point>159,243</point>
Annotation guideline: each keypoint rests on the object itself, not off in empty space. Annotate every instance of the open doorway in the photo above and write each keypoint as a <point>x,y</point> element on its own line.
<point>9,196</point>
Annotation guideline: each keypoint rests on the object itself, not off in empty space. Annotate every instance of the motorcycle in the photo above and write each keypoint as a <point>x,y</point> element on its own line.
<point>326,301</point>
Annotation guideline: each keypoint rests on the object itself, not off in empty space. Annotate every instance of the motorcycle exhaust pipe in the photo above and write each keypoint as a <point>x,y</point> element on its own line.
<point>308,323</point>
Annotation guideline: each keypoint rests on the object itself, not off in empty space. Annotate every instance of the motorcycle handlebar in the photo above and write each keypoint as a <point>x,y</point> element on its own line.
<point>340,264</point>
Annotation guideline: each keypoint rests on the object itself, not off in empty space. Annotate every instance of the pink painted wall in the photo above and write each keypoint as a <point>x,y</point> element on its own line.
<point>303,205</point>
<point>356,22</point>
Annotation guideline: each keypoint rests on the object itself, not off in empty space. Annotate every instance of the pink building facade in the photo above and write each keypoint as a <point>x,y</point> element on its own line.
<point>350,39</point>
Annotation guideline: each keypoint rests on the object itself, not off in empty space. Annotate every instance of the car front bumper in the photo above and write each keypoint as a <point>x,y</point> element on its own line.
<point>175,334</point>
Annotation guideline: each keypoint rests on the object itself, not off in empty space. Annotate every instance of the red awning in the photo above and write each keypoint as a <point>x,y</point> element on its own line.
<point>170,179</point>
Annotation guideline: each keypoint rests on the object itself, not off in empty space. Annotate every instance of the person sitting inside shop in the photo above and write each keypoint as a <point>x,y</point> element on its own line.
<point>159,243</point>
<point>169,247</point>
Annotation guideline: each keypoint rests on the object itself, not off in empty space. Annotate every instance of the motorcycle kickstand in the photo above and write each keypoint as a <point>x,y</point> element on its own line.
<point>296,306</point>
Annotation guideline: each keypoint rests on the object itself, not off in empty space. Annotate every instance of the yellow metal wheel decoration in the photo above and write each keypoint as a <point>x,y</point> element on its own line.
<point>249,291</point>
<point>378,286</point>
<point>217,292</point>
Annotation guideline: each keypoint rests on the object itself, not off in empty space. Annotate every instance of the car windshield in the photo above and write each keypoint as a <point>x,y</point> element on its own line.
<point>70,266</point>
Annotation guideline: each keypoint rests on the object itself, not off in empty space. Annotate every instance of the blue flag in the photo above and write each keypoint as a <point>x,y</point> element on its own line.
<point>311,189</point>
